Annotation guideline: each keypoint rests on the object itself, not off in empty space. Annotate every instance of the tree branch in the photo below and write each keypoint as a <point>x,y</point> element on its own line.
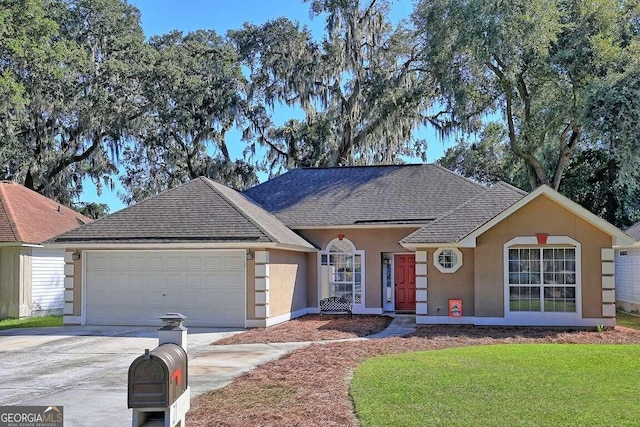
<point>539,175</point>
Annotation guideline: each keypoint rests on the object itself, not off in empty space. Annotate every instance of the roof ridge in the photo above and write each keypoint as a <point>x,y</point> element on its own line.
<point>212,184</point>
<point>511,187</point>
<point>458,176</point>
<point>8,211</point>
<point>363,166</point>
<point>268,180</point>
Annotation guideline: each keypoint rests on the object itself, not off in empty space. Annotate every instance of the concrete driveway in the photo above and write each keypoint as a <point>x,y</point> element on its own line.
<point>84,368</point>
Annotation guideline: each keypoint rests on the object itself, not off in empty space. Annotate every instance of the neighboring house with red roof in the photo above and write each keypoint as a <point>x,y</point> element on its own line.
<point>401,238</point>
<point>31,276</point>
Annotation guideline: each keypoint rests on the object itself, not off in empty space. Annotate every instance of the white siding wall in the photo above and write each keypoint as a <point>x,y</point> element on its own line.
<point>628,276</point>
<point>47,279</point>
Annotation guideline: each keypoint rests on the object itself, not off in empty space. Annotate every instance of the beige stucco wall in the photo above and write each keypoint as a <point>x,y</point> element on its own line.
<point>15,282</point>
<point>374,241</point>
<point>541,215</point>
<point>287,282</point>
<point>441,287</point>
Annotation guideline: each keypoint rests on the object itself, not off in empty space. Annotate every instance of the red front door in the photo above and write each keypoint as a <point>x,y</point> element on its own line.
<point>405,282</point>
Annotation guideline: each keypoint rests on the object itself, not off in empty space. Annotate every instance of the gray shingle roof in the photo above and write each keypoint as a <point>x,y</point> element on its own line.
<point>198,211</point>
<point>453,226</point>
<point>634,231</point>
<point>398,194</point>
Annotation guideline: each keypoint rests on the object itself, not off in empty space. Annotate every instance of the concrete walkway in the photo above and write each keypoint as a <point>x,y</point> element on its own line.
<point>402,324</point>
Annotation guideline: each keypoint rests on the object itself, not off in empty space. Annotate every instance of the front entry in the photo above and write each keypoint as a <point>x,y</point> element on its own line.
<point>405,282</point>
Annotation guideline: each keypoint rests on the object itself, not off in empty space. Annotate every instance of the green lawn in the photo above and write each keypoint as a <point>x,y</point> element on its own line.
<point>628,320</point>
<point>502,385</point>
<point>31,322</point>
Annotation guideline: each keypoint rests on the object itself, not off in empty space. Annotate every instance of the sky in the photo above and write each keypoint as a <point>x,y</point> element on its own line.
<point>162,16</point>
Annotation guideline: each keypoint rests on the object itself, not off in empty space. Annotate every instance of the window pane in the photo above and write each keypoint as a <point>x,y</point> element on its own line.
<point>535,265</point>
<point>524,298</point>
<point>560,299</point>
<point>513,266</point>
<point>524,278</point>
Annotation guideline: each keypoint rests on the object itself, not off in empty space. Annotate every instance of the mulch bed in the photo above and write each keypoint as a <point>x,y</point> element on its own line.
<point>312,327</point>
<point>310,386</point>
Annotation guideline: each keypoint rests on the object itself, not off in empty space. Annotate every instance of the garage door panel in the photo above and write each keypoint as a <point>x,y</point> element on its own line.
<point>135,288</point>
<point>156,299</point>
<point>174,279</point>
<point>118,262</point>
<point>192,280</point>
<point>211,262</point>
<point>234,263</point>
<point>98,262</point>
<point>192,263</point>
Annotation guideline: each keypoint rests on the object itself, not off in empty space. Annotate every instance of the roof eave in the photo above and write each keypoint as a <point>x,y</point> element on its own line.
<point>20,244</point>
<point>354,226</point>
<point>176,245</point>
<point>416,245</point>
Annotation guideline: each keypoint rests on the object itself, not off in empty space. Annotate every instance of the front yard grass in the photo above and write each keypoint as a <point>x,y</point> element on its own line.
<point>628,320</point>
<point>501,385</point>
<point>31,322</point>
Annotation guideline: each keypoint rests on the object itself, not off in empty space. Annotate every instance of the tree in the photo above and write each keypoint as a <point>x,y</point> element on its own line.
<point>72,68</point>
<point>533,61</point>
<point>192,89</point>
<point>592,177</point>
<point>486,160</point>
<point>360,89</point>
<point>612,120</point>
<point>92,210</point>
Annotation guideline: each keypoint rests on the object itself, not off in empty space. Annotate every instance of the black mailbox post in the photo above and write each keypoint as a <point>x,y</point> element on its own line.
<point>158,378</point>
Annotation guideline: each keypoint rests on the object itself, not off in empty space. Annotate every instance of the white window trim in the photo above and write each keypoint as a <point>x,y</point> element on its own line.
<point>357,307</point>
<point>530,317</point>
<point>442,269</point>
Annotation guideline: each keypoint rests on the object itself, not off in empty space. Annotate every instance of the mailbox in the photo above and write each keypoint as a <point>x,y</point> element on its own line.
<point>158,377</point>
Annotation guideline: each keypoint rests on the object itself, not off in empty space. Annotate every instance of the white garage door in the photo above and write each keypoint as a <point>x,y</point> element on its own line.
<point>136,287</point>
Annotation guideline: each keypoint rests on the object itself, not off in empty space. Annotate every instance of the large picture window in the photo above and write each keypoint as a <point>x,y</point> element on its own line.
<point>542,279</point>
<point>342,266</point>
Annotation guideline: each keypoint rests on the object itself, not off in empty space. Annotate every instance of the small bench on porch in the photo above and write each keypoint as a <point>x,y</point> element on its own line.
<point>336,305</point>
